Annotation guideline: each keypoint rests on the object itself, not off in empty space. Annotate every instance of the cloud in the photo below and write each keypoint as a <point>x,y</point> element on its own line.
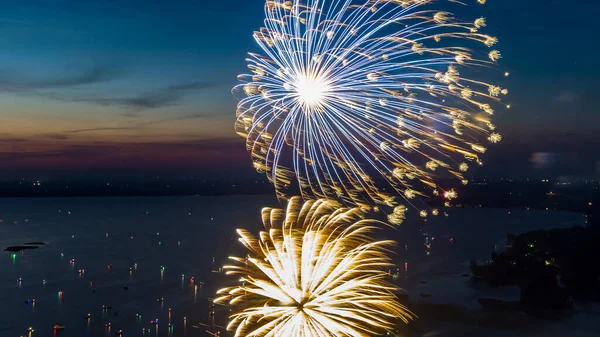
<point>567,96</point>
<point>53,88</point>
<point>11,81</point>
<point>183,153</point>
<point>61,135</point>
<point>179,118</point>
<point>15,156</point>
<point>13,140</point>
<point>167,96</point>
<point>99,129</point>
<point>543,159</point>
<point>130,115</point>
<point>54,136</point>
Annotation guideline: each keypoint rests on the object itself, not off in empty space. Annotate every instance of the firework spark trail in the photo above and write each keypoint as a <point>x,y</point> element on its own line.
<point>314,271</point>
<point>351,99</point>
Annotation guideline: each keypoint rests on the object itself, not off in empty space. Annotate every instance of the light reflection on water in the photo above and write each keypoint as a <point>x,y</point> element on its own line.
<point>140,257</point>
<point>109,251</point>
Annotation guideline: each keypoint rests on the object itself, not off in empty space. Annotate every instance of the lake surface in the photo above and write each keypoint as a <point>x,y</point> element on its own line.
<point>157,259</point>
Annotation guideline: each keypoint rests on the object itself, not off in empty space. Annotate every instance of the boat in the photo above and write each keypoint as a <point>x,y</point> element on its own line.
<point>59,327</point>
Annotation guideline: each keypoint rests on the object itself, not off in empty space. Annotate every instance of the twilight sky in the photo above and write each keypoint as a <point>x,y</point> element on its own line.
<point>136,88</point>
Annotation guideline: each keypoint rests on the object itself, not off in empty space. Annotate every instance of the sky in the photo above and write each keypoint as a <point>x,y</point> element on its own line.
<point>95,89</point>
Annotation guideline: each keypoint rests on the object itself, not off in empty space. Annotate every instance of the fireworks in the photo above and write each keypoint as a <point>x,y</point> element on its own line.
<point>367,100</point>
<point>314,271</point>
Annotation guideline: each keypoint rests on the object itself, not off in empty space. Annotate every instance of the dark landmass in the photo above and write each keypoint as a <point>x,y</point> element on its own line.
<point>35,243</point>
<point>553,268</point>
<point>16,249</point>
<point>499,305</point>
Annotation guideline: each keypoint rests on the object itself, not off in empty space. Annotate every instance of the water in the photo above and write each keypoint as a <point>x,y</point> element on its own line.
<point>184,235</point>
<point>189,236</point>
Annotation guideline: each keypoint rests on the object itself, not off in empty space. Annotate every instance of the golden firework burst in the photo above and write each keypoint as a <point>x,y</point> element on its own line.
<point>314,271</point>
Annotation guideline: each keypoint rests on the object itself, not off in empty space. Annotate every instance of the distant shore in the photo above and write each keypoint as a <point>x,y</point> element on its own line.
<point>557,196</point>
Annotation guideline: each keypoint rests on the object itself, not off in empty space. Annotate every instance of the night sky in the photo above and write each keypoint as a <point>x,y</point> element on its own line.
<point>133,89</point>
